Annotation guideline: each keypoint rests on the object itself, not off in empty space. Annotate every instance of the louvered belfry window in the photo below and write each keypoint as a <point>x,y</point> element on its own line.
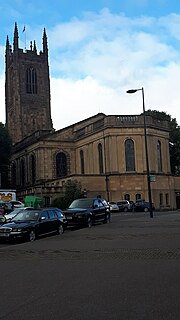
<point>31,81</point>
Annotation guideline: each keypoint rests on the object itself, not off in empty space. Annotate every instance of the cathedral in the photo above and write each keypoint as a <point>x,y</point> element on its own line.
<point>105,153</point>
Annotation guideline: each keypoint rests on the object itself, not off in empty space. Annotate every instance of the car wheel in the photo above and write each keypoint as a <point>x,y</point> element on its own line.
<point>32,236</point>
<point>89,222</point>
<point>146,209</point>
<point>60,229</point>
<point>107,218</point>
<point>125,209</point>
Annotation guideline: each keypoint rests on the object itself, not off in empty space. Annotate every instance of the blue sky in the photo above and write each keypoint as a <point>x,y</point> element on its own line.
<point>98,49</point>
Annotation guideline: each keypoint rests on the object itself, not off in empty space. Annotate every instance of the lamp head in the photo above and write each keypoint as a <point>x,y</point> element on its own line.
<point>132,90</point>
<point>135,90</point>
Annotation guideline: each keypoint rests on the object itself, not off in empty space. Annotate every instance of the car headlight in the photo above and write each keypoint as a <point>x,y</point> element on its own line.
<point>17,230</point>
<point>80,216</point>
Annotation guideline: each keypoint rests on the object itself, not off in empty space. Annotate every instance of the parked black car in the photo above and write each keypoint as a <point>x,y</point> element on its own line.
<point>142,205</point>
<point>87,211</point>
<point>31,224</point>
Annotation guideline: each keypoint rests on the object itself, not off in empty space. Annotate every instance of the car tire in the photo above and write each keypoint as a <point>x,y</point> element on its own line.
<point>146,209</point>
<point>125,209</point>
<point>107,218</point>
<point>32,236</point>
<point>60,229</point>
<point>89,222</point>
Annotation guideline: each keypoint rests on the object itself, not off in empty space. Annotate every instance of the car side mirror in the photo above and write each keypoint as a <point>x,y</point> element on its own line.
<point>42,218</point>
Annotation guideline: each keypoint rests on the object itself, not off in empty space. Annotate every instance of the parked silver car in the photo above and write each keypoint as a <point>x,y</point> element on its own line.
<point>124,205</point>
<point>113,207</point>
<point>9,216</point>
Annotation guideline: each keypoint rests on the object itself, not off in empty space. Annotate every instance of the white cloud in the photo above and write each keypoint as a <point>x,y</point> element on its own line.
<point>80,99</point>
<point>172,24</point>
<point>96,74</point>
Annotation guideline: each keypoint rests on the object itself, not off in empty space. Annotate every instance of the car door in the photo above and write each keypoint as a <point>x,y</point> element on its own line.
<point>53,220</point>
<point>44,223</point>
<point>99,210</point>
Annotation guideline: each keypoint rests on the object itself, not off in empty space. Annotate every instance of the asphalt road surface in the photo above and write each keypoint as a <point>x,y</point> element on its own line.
<point>128,269</point>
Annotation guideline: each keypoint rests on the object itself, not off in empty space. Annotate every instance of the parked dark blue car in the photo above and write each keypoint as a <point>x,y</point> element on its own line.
<point>34,223</point>
<point>142,205</point>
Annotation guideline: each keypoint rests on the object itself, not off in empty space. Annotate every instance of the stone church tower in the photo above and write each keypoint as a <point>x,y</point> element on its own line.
<point>27,89</point>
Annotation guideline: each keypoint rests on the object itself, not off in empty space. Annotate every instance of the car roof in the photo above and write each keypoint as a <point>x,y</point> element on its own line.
<point>41,209</point>
<point>95,198</point>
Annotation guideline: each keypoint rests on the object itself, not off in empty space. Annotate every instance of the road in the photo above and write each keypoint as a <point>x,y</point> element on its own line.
<point>126,270</point>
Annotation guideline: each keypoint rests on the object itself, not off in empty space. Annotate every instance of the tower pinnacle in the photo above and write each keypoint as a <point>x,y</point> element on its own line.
<point>16,37</point>
<point>45,47</point>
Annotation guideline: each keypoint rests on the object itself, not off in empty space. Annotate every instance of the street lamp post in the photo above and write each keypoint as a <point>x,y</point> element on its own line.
<point>146,150</point>
<point>105,164</point>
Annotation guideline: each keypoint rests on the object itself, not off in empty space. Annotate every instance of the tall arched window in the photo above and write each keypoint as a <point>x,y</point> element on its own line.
<point>31,81</point>
<point>22,170</point>
<point>129,155</point>
<point>100,154</point>
<point>82,161</point>
<point>33,168</point>
<point>159,156</point>
<point>61,164</point>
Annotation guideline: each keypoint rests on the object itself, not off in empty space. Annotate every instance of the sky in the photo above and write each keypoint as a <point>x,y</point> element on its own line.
<point>99,49</point>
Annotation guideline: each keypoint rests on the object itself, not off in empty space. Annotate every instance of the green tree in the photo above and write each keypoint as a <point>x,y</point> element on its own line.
<point>5,153</point>
<point>72,191</point>
<point>59,202</point>
<point>174,138</point>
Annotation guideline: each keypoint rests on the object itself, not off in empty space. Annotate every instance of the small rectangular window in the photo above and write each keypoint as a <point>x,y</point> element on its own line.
<point>167,199</point>
<point>160,199</point>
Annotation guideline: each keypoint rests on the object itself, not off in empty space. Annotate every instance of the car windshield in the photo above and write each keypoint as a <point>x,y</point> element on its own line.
<point>15,211</point>
<point>10,215</point>
<point>27,216</point>
<point>81,203</point>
